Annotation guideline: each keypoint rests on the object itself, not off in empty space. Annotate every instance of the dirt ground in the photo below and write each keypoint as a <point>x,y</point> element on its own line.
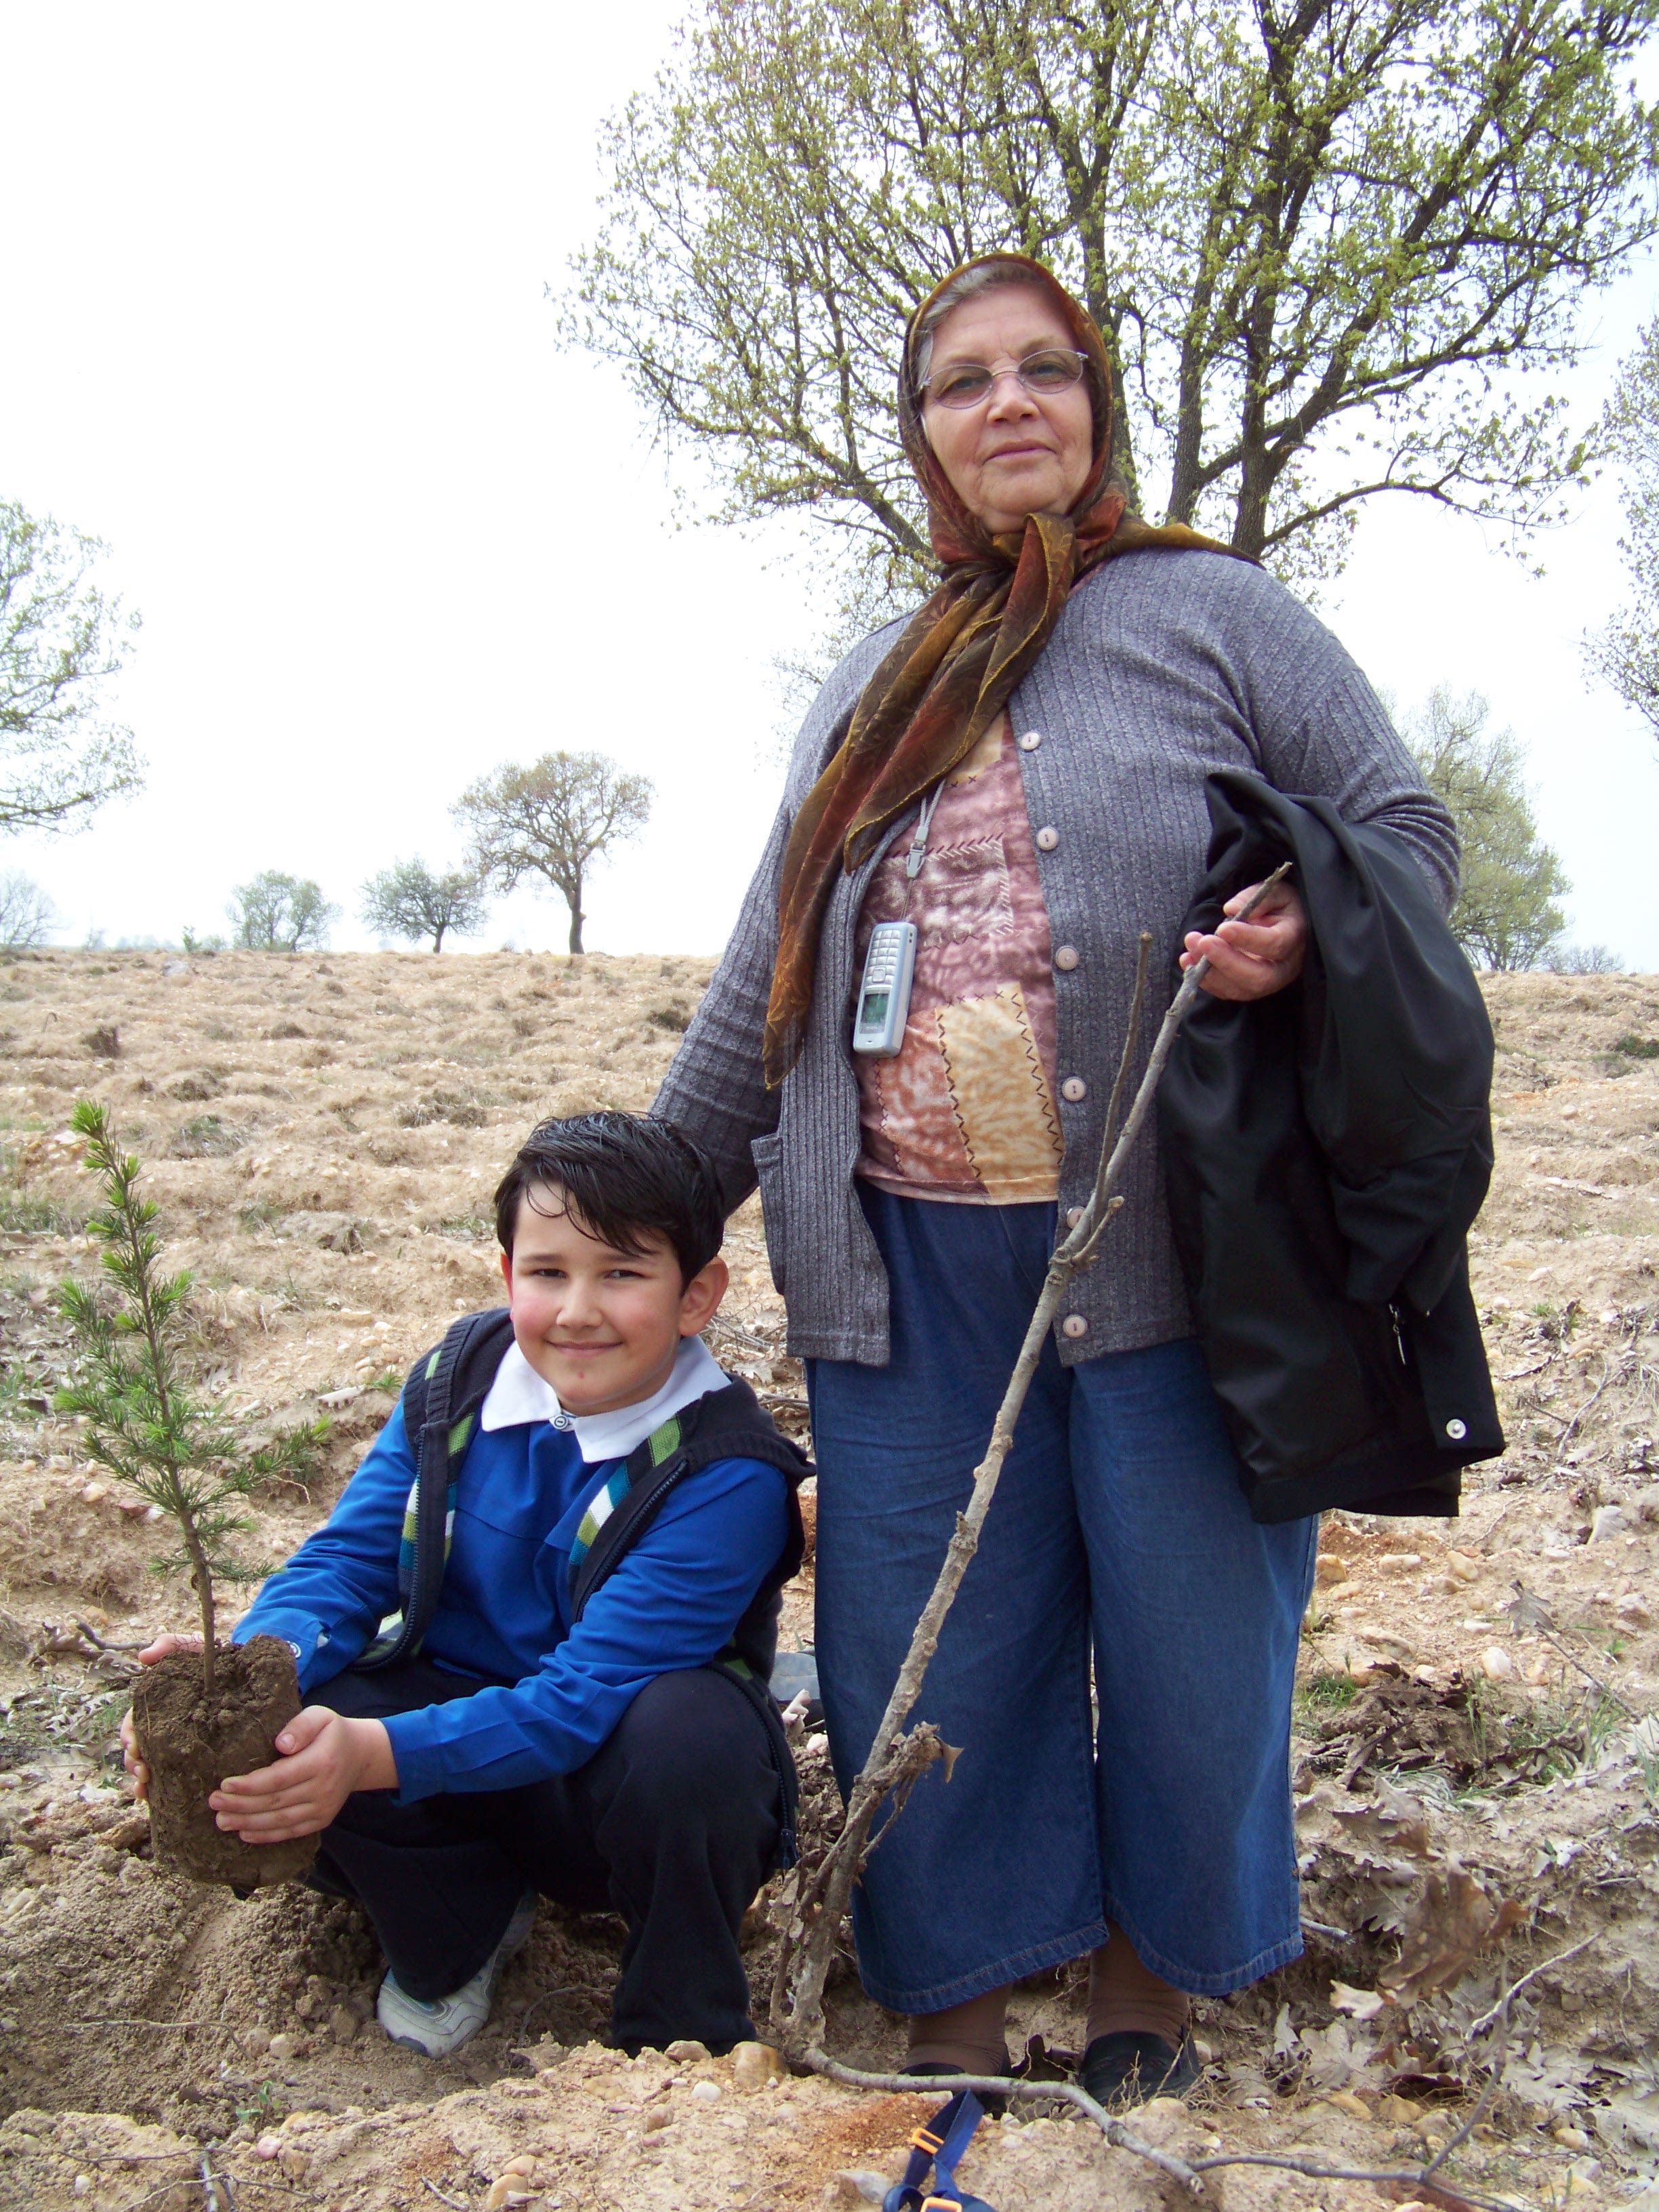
<point>1477,1745</point>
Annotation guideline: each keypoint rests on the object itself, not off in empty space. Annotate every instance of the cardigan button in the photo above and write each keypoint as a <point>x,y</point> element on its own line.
<point>1030,741</point>
<point>1067,957</point>
<point>1073,1215</point>
<point>1457,1431</point>
<point>1073,1089</point>
<point>1047,840</point>
<point>1075,1325</point>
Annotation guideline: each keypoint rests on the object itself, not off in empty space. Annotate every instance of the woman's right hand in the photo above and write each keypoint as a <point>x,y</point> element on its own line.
<point>166,1644</point>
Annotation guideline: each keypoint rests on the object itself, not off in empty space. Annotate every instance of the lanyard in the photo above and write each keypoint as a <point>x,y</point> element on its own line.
<point>918,852</point>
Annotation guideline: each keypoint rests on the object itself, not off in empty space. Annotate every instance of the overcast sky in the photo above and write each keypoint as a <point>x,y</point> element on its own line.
<point>277,330</point>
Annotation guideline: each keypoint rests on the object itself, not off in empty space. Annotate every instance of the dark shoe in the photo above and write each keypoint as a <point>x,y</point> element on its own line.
<point>992,2105</point>
<point>1132,2067</point>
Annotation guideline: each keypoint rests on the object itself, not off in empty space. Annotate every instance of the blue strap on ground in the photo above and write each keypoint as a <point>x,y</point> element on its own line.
<point>939,2143</point>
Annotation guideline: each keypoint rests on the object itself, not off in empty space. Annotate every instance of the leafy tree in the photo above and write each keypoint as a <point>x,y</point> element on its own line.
<point>129,1385</point>
<point>1313,236</point>
<point>1626,654</point>
<point>408,901</point>
<point>26,912</point>
<point>276,912</point>
<point>60,640</point>
<point>1505,915</point>
<point>552,819</point>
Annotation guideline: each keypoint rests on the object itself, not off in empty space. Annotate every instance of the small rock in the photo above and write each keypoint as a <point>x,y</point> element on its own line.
<point>1496,1664</point>
<point>1328,1569</point>
<point>1633,1613</point>
<point>1399,1562</point>
<point>343,2023</point>
<point>256,2041</point>
<point>500,2192</point>
<point>83,2184</point>
<point>850,2188</point>
<point>521,2169</point>
<point>94,1493</point>
<point>1398,2112</point>
<point>1608,1522</point>
<point>282,2047</point>
<point>659,2115</point>
<point>268,2146</point>
<point>1572,2138</point>
<point>705,2093</point>
<point>1346,2101</point>
<point>687,2050</point>
<point>754,2064</point>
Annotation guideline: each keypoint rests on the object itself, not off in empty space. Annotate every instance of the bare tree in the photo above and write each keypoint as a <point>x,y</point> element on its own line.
<point>26,912</point>
<point>408,901</point>
<point>276,912</point>
<point>60,641</point>
<point>1626,654</point>
<point>552,819</point>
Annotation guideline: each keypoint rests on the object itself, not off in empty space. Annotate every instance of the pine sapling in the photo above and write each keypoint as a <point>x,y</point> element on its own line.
<point>132,1386</point>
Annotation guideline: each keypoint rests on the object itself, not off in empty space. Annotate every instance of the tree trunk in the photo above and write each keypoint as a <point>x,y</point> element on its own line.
<point>438,939</point>
<point>577,917</point>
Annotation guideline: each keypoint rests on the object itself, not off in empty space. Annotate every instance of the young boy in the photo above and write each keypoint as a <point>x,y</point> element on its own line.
<point>572,1699</point>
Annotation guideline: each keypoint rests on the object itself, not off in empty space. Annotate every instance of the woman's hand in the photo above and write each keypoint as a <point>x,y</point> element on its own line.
<point>1254,958</point>
<point>324,1757</point>
<point>163,1645</point>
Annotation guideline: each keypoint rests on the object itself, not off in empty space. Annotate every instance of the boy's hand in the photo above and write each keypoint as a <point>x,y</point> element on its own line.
<point>324,1757</point>
<point>164,1644</point>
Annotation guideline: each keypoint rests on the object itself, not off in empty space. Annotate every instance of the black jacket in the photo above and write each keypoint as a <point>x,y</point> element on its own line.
<point>1326,1151</point>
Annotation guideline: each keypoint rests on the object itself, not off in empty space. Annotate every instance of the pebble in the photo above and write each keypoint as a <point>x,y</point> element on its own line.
<point>687,2050</point>
<point>1608,1522</point>
<point>754,2064</point>
<point>705,2093</point>
<point>282,2047</point>
<point>1572,2138</point>
<point>343,2023</point>
<point>96,1493</point>
<point>1633,1613</point>
<point>1328,1569</point>
<point>1496,1664</point>
<point>268,2146</point>
<point>257,2042</point>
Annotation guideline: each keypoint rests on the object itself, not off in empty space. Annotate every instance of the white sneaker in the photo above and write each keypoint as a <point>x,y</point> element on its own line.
<point>446,2023</point>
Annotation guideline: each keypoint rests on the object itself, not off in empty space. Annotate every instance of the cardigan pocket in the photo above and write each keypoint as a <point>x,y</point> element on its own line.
<point>766,1153</point>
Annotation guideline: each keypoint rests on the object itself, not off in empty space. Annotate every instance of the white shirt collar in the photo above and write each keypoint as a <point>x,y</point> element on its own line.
<point>518,1393</point>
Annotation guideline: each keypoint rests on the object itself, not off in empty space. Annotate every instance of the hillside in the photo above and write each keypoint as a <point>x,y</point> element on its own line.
<point>323,1135</point>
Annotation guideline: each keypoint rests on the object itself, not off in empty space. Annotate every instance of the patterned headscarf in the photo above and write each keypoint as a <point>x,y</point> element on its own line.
<point>949,674</point>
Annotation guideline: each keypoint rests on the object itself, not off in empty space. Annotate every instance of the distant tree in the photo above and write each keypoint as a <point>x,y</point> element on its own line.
<point>552,819</point>
<point>1505,913</point>
<point>276,912</point>
<point>60,640</point>
<point>1583,960</point>
<point>1626,654</point>
<point>408,901</point>
<point>26,912</point>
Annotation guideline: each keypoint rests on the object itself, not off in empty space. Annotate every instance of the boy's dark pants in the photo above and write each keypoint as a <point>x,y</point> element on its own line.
<point>672,1823</point>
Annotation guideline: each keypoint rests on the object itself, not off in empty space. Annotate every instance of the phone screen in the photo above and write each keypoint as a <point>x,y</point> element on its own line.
<point>875,1010</point>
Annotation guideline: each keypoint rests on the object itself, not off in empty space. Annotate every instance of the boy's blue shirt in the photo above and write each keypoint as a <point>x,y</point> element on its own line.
<point>672,1603</point>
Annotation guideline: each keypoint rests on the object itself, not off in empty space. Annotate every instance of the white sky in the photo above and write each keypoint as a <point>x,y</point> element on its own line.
<point>277,330</point>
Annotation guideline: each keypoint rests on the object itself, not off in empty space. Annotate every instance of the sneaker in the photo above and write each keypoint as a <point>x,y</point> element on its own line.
<point>1132,2067</point>
<point>444,2024</point>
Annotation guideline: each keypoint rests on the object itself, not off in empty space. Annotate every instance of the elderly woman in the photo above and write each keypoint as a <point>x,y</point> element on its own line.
<point>1020,771</point>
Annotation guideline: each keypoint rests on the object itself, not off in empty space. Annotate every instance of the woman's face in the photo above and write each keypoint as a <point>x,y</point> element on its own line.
<point>1011,455</point>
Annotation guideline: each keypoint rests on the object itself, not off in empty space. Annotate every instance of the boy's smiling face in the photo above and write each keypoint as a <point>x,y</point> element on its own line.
<point>603,1327</point>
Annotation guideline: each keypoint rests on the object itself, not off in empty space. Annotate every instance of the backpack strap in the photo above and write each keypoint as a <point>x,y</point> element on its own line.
<point>440,1400</point>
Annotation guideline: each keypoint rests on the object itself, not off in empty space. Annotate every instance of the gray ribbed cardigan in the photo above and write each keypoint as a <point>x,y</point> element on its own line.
<point>1162,667</point>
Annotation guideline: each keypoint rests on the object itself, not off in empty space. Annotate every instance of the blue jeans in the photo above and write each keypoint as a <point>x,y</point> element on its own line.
<point>1119,1525</point>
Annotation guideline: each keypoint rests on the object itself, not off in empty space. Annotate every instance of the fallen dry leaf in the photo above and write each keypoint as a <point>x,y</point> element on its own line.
<point>1359,2004</point>
<point>1455,1921</point>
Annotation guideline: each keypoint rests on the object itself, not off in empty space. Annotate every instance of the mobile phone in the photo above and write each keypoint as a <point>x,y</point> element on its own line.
<point>884,993</point>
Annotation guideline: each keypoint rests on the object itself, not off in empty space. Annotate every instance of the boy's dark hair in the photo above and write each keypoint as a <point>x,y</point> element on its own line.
<point>624,1176</point>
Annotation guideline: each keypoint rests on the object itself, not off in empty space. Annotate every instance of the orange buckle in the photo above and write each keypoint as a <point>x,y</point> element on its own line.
<point>941,2205</point>
<point>924,2139</point>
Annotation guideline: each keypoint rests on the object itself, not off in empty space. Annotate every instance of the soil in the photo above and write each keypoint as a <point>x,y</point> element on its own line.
<point>190,1742</point>
<point>1476,1749</point>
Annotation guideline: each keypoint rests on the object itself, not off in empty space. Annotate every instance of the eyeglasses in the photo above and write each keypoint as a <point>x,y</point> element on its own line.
<point>1051,369</point>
